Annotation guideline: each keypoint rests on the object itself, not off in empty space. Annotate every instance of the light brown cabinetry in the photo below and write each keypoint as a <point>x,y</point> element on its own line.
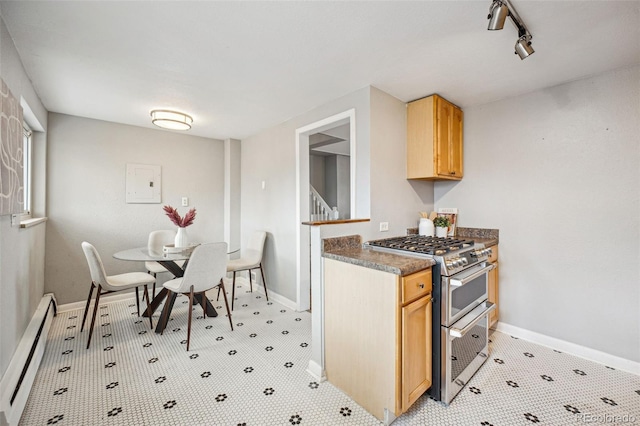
<point>416,350</point>
<point>434,139</point>
<point>377,329</point>
<point>494,286</point>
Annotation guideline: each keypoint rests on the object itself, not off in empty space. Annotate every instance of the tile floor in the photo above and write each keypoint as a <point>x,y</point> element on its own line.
<point>256,375</point>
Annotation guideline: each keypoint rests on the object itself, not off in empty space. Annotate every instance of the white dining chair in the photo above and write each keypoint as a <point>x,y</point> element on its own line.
<point>250,259</point>
<point>207,269</point>
<point>109,284</point>
<point>157,240</point>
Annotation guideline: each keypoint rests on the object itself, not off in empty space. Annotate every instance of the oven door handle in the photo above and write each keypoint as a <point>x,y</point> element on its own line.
<point>455,282</point>
<point>457,332</point>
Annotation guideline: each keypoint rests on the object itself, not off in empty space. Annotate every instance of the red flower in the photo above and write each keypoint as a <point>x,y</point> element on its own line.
<point>177,220</point>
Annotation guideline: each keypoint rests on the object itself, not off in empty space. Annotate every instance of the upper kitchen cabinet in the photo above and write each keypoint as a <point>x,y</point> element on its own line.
<point>434,139</point>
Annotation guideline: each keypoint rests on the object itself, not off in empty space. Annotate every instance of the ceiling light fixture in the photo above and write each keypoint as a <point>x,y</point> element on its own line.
<point>497,15</point>
<point>498,12</point>
<point>172,120</point>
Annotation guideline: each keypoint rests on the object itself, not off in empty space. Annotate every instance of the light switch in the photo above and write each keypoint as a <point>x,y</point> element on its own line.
<point>185,201</point>
<point>264,184</point>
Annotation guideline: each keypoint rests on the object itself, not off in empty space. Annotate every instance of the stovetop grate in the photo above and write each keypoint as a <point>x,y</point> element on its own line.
<point>421,244</point>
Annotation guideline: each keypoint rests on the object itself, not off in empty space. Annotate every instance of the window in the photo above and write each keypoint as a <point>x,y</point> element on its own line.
<point>27,146</point>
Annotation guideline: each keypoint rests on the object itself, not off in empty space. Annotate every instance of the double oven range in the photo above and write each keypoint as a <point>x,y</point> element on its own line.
<point>460,306</point>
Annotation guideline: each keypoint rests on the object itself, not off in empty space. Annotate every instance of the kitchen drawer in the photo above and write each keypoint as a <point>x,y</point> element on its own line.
<point>494,254</point>
<point>416,285</point>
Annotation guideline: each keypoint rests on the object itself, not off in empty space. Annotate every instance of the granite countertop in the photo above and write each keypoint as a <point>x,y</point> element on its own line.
<point>488,237</point>
<point>349,249</point>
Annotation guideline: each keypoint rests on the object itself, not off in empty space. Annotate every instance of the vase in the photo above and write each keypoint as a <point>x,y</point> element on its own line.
<point>182,239</point>
<point>425,228</point>
<point>441,231</point>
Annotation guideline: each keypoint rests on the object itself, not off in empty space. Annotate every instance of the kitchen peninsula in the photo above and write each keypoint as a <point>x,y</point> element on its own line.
<point>377,325</point>
<point>399,310</point>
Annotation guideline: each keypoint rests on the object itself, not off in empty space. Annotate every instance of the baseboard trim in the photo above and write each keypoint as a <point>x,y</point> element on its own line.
<point>273,296</point>
<point>316,371</point>
<point>109,298</point>
<point>18,379</point>
<point>571,348</point>
<point>117,297</point>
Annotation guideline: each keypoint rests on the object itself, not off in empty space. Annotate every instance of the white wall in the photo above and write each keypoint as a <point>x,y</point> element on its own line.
<point>21,250</point>
<point>87,160</point>
<point>382,188</point>
<point>557,171</point>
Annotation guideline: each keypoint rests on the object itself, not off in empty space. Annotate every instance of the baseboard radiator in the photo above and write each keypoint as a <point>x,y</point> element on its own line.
<point>18,379</point>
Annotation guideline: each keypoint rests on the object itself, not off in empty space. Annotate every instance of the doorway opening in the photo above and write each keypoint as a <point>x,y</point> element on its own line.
<point>326,157</point>
<point>330,174</point>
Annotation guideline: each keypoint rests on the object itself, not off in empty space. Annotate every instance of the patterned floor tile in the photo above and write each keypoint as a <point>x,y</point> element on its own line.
<point>256,375</point>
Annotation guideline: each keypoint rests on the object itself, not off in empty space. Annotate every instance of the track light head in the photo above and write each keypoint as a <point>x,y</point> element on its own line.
<point>497,15</point>
<point>523,47</point>
<point>498,12</point>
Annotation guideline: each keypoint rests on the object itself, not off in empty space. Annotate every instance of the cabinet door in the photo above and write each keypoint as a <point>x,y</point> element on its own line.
<point>455,166</point>
<point>416,350</point>
<point>444,112</point>
<point>493,294</point>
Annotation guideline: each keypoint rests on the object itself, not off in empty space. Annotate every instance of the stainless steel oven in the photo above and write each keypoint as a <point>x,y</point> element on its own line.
<point>460,311</point>
<point>464,327</point>
<point>465,347</point>
<point>464,291</point>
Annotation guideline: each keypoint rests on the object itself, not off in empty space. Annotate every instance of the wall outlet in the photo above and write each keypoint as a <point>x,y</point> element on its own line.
<point>185,201</point>
<point>384,226</point>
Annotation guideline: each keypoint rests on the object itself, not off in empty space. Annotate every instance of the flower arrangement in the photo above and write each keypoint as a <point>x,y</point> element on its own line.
<point>181,222</point>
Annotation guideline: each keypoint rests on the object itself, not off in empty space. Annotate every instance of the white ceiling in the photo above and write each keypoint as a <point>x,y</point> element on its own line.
<point>240,67</point>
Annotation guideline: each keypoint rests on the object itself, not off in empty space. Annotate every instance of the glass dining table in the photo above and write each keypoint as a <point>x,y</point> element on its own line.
<point>168,261</point>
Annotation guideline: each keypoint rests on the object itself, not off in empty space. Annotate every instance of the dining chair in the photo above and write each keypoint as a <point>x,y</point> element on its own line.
<point>207,270</point>
<point>157,240</point>
<point>109,284</point>
<point>250,259</point>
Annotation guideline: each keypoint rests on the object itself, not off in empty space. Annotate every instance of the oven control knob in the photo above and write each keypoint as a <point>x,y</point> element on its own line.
<point>464,261</point>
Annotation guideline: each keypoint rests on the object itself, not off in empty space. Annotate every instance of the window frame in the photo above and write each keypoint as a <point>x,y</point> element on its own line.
<point>27,188</point>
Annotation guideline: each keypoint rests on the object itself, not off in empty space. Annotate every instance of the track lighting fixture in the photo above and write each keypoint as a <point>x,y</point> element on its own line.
<point>497,15</point>
<point>498,12</point>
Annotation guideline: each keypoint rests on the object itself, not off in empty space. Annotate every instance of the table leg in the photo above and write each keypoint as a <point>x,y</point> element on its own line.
<point>168,306</point>
<point>156,302</point>
<point>173,267</point>
<point>211,311</point>
<point>177,272</point>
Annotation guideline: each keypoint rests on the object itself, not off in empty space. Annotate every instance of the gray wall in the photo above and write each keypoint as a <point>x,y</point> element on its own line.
<point>317,173</point>
<point>87,160</point>
<point>21,250</point>
<point>557,171</point>
<point>385,195</point>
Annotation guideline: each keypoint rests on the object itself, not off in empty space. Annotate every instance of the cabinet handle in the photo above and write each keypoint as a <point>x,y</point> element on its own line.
<point>421,285</point>
<point>452,173</point>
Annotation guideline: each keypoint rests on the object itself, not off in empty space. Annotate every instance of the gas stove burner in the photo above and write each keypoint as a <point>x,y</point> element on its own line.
<point>427,245</point>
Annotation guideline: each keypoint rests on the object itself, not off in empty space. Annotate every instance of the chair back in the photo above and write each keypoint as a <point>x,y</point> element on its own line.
<point>98,275</point>
<point>255,247</point>
<point>207,266</point>
<point>159,239</point>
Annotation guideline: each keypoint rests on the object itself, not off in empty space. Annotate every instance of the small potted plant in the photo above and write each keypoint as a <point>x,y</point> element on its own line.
<point>442,224</point>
